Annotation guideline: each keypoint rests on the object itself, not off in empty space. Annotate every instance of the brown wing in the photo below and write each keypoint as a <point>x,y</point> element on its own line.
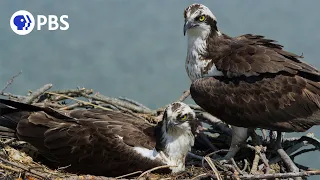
<point>97,141</point>
<point>252,55</point>
<point>276,102</point>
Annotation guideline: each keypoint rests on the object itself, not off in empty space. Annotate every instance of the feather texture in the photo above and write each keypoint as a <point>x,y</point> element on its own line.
<point>102,142</point>
<point>94,141</point>
<point>263,85</point>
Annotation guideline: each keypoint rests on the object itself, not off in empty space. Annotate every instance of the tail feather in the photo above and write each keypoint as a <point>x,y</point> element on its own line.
<point>7,132</point>
<point>10,116</point>
<point>12,112</point>
<point>29,108</point>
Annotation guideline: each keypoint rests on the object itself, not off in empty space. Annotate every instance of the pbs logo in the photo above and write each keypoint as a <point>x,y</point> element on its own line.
<point>22,22</point>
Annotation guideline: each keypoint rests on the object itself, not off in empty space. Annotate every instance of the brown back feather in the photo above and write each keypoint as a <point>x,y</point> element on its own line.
<point>285,103</point>
<point>89,140</point>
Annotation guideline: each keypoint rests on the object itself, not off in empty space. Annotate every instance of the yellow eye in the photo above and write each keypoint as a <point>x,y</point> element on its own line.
<point>202,18</point>
<point>184,117</point>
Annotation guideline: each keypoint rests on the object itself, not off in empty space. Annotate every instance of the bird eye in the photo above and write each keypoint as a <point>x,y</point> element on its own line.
<point>202,18</point>
<point>184,117</point>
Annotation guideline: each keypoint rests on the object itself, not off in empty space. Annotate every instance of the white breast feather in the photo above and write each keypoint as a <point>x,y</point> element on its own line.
<point>194,66</point>
<point>148,153</point>
<point>176,150</point>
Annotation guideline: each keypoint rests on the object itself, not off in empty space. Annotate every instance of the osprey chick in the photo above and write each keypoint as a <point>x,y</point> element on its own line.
<point>102,142</point>
<point>248,81</point>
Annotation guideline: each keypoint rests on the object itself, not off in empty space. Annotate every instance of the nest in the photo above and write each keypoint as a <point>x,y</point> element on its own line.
<point>256,160</point>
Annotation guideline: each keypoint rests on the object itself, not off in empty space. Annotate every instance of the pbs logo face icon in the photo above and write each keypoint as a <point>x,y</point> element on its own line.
<point>22,22</point>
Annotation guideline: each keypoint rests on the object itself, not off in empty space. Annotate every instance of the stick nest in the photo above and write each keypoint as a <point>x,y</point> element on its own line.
<point>256,160</point>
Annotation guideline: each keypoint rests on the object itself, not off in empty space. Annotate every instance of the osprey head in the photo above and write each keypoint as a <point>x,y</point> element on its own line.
<point>178,114</point>
<point>198,20</point>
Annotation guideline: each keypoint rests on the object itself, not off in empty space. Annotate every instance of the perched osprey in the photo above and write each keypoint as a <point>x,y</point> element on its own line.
<point>248,81</point>
<point>101,142</point>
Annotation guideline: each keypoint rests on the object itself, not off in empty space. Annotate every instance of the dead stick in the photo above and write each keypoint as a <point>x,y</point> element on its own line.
<point>256,160</point>
<point>12,95</point>
<point>10,82</point>
<point>37,93</point>
<point>213,167</point>
<point>72,106</point>
<point>130,174</point>
<point>134,102</point>
<point>153,169</point>
<point>42,175</point>
<point>9,168</point>
<point>117,102</point>
<point>74,91</point>
<point>184,96</point>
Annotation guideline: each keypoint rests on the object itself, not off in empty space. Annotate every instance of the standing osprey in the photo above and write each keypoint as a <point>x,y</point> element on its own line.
<point>101,142</point>
<point>248,81</point>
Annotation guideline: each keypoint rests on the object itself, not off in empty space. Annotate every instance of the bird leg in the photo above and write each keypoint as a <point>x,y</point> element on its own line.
<point>239,136</point>
<point>284,156</point>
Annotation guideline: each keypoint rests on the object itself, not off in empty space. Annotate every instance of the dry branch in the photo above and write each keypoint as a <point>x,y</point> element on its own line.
<point>117,102</point>
<point>29,99</point>
<point>10,82</point>
<point>184,96</point>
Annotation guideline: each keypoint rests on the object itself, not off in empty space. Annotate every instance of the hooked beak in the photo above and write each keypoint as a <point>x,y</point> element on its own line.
<point>188,25</point>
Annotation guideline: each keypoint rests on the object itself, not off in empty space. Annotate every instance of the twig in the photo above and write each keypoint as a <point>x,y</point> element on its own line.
<point>106,105</point>
<point>134,102</point>
<point>118,102</point>
<point>213,167</point>
<point>9,168</point>
<point>10,82</point>
<point>86,103</point>
<point>210,154</point>
<point>184,96</point>
<point>37,93</point>
<point>18,97</point>
<point>256,160</point>
<point>74,91</point>
<point>153,169</point>
<point>246,164</point>
<point>289,151</point>
<point>72,106</point>
<point>48,104</point>
<point>130,174</point>
<point>281,175</point>
<point>236,166</point>
<point>42,175</point>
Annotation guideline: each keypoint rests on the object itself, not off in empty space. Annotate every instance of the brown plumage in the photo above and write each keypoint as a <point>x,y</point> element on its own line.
<point>263,85</point>
<point>249,81</point>
<point>93,141</point>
